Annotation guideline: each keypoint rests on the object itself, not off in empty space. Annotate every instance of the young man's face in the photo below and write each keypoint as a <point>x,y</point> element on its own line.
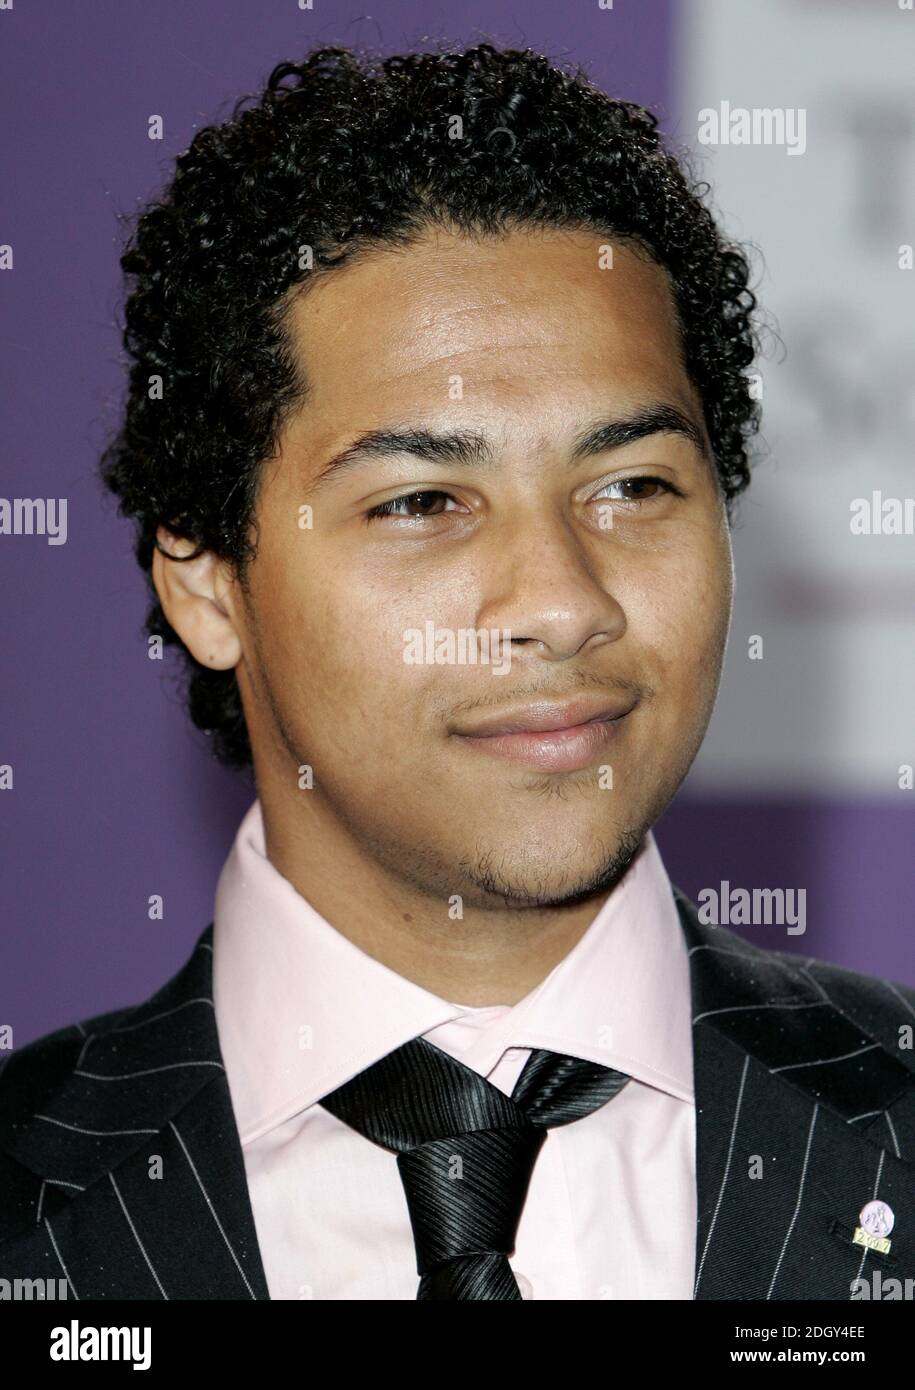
<point>615,593</point>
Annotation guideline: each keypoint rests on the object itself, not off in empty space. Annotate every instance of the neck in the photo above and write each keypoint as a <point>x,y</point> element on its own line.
<point>486,955</point>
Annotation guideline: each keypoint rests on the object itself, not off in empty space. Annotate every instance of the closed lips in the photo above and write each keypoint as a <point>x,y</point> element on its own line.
<point>544,717</point>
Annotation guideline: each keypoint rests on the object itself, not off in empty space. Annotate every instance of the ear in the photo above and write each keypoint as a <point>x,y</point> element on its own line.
<point>197,599</point>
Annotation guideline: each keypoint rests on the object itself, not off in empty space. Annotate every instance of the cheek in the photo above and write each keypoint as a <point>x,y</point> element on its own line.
<point>342,639</point>
<point>682,618</point>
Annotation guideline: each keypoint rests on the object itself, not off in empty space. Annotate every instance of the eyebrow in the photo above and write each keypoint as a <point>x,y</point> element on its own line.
<point>472,449</point>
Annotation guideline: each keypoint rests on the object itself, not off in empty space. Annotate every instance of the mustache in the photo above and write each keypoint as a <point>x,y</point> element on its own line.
<point>553,691</point>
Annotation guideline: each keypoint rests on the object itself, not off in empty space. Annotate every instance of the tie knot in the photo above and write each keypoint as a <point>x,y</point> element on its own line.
<point>466,1152</point>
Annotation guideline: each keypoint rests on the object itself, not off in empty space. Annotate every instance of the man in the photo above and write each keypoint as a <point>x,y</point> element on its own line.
<point>437,413</point>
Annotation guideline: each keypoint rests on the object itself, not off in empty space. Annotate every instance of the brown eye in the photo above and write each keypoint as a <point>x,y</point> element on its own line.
<point>426,504</point>
<point>640,489</point>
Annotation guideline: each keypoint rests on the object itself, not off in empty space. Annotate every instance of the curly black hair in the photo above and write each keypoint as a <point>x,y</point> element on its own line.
<point>339,153</point>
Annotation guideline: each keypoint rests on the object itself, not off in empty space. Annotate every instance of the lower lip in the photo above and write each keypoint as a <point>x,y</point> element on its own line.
<point>551,750</point>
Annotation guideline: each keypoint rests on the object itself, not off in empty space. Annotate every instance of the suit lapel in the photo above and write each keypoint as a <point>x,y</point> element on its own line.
<point>130,1179</point>
<point>802,1116</point>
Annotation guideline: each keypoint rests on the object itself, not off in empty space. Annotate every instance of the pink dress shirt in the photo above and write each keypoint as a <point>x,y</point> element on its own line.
<point>611,1208</point>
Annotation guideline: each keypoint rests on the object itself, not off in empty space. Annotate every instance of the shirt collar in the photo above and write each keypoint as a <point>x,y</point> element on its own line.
<point>300,1009</point>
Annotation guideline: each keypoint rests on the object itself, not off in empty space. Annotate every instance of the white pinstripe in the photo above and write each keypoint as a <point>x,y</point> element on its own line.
<point>212,1208</point>
<point>60,1258</point>
<point>137,1237</point>
<point>727,1168</point>
<point>742,1008</point>
<point>804,970</point>
<point>825,1061</point>
<point>800,1193</point>
<point>97,1132</point>
<point>149,1071</point>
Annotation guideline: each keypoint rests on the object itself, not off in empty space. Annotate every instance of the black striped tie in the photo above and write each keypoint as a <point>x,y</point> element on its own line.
<point>466,1152</point>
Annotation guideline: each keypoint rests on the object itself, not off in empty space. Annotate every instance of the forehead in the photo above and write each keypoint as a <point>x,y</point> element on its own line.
<point>526,312</point>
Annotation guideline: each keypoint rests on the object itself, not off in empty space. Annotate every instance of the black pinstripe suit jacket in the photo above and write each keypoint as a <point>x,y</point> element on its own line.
<point>121,1168</point>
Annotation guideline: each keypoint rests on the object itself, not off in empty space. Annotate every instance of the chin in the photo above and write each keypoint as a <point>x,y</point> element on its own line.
<point>558,883</point>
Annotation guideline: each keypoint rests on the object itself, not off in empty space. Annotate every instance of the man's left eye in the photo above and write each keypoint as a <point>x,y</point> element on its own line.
<point>637,483</point>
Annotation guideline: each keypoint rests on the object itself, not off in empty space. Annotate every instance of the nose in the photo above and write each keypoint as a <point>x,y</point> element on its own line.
<point>551,586</point>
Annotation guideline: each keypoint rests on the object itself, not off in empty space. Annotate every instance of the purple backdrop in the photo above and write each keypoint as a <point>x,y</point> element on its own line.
<point>114,798</point>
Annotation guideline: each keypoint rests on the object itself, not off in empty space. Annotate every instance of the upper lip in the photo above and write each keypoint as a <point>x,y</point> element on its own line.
<point>541,716</point>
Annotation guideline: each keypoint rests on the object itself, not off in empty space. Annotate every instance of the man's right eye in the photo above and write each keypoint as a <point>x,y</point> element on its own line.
<point>424,500</point>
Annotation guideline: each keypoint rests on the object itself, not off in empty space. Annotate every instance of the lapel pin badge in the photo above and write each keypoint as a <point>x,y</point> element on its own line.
<point>877,1220</point>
